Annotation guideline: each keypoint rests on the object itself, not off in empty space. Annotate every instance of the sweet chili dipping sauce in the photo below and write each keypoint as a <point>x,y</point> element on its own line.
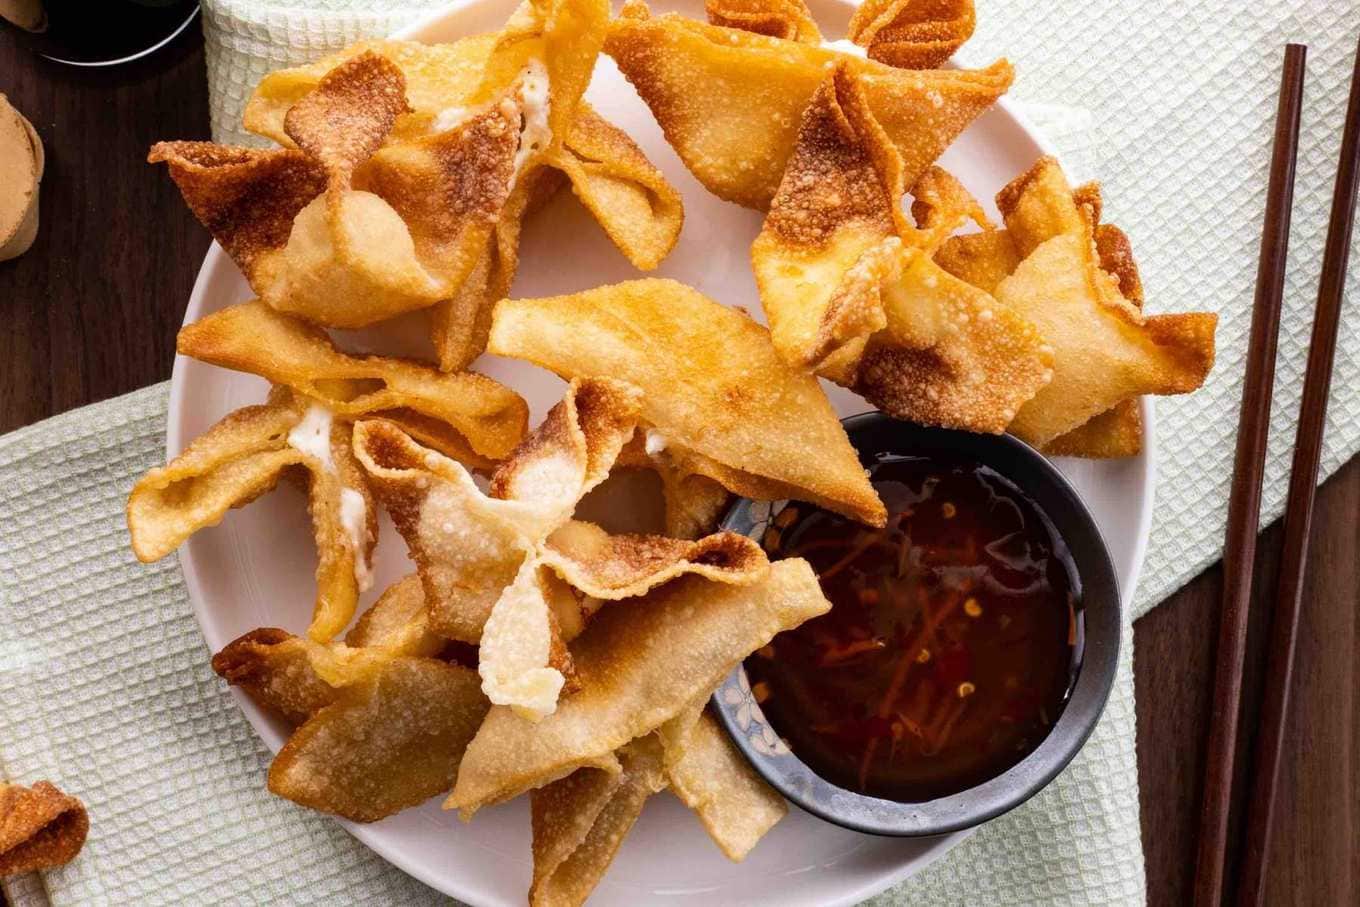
<point>953,639</point>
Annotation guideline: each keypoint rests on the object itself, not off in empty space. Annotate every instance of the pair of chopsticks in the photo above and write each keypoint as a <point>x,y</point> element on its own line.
<point>1245,502</point>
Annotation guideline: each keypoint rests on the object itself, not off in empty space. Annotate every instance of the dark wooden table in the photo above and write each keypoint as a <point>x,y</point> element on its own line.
<point>91,312</point>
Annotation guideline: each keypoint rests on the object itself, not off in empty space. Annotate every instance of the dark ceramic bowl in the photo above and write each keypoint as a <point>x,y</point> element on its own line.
<point>874,433</point>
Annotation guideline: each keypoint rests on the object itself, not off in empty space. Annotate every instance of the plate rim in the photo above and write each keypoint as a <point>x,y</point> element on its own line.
<point>369,836</point>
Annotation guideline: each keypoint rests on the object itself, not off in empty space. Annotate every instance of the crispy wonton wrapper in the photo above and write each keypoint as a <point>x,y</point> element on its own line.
<point>345,228</point>
<point>553,42</point>
<point>398,620</point>
<point>508,570</point>
<point>275,670</point>
<point>580,821</point>
<point>717,400</point>
<point>712,778</point>
<point>380,730</point>
<point>1107,352</point>
<point>40,828</point>
<point>851,291</point>
<point>487,418</point>
<point>912,34</point>
<point>243,456</point>
<point>985,259</point>
<point>790,20</point>
<point>639,664</point>
<point>729,100</point>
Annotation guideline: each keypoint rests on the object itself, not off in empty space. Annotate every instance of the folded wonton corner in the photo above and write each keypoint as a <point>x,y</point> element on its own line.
<point>510,570</point>
<point>729,95</point>
<point>717,401</point>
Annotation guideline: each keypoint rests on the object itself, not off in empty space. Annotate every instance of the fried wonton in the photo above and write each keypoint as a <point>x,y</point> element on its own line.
<point>729,100</point>
<point>550,46</point>
<point>716,399</point>
<point>580,821</point>
<point>986,258</point>
<point>242,457</point>
<point>852,293</point>
<point>912,34</point>
<point>40,828</point>
<point>380,730</point>
<point>509,570</point>
<point>465,415</point>
<point>345,228</point>
<point>398,620</point>
<point>1106,351</point>
<point>639,664</point>
<point>712,778</point>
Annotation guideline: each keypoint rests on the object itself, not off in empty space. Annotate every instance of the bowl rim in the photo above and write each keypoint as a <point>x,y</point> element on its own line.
<point>971,807</point>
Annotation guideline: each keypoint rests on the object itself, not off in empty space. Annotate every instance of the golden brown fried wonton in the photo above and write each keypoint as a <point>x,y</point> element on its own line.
<point>40,828</point>
<point>347,228</point>
<point>551,46</point>
<point>712,778</point>
<point>1106,351</point>
<point>380,730</point>
<point>508,570</point>
<point>487,419</point>
<point>912,34</point>
<point>243,456</point>
<point>730,101</point>
<point>717,400</point>
<point>580,821</point>
<point>639,664</point>
<point>851,291</point>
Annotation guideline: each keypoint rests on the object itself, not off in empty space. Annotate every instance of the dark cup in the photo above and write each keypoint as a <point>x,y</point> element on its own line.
<point>874,433</point>
<point>97,32</point>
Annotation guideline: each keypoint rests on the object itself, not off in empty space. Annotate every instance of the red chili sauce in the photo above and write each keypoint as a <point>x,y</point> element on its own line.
<point>952,643</point>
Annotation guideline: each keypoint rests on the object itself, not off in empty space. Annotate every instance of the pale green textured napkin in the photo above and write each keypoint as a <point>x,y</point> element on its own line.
<point>104,680</point>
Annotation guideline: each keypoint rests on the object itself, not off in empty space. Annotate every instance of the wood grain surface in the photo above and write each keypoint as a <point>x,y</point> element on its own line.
<point>91,311</point>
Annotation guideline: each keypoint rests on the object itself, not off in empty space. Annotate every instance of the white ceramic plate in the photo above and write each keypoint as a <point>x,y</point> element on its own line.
<point>256,568</point>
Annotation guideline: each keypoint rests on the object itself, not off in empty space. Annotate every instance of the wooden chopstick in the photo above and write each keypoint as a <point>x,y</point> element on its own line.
<point>1299,511</point>
<point>1244,504</point>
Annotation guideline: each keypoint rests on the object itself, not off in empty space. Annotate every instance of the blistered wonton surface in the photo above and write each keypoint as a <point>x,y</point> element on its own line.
<point>580,821</point>
<point>487,418</point>
<point>243,456</point>
<point>712,778</point>
<point>851,291</point>
<point>509,570</point>
<point>1106,351</point>
<point>379,730</point>
<point>40,828</point>
<point>639,665</point>
<point>716,398</point>
<point>453,144</point>
<point>730,100</point>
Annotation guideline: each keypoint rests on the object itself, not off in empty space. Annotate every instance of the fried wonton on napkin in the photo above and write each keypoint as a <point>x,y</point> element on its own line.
<point>851,291</point>
<point>40,828</point>
<point>717,401</point>
<point>729,99</point>
<point>510,570</point>
<point>639,664</point>
<point>380,729</point>
<point>1076,281</point>
<point>533,72</point>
